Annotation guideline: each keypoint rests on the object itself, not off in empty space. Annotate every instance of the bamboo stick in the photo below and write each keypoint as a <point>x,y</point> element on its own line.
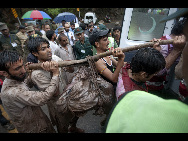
<point>97,57</point>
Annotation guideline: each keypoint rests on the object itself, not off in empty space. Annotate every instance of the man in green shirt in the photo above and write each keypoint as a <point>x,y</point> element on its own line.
<point>7,40</point>
<point>82,47</point>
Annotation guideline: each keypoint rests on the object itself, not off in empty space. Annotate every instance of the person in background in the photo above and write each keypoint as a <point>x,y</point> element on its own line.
<point>63,26</point>
<point>82,47</point>
<point>116,33</point>
<point>7,40</point>
<point>46,28</point>
<point>69,34</point>
<point>54,26</point>
<point>72,26</point>
<point>50,34</point>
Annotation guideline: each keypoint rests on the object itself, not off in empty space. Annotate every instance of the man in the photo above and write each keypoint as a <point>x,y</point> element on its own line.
<point>22,105</point>
<point>65,52</point>
<point>146,63</point>
<point>62,26</point>
<point>22,35</point>
<point>171,53</point>
<point>112,43</point>
<point>82,47</point>
<point>40,48</point>
<point>7,40</point>
<point>72,26</point>
<point>50,34</point>
<point>46,28</point>
<point>21,38</point>
<point>69,34</point>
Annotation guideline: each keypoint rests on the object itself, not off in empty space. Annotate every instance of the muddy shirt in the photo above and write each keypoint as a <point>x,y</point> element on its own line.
<point>23,106</point>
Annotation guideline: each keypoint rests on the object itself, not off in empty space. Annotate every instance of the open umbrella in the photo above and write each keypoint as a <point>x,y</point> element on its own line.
<point>36,15</point>
<point>67,16</point>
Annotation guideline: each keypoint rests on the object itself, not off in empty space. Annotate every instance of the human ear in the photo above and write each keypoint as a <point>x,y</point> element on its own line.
<point>96,44</point>
<point>4,73</point>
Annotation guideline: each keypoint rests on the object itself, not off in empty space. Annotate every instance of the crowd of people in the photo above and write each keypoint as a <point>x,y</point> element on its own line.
<point>146,72</point>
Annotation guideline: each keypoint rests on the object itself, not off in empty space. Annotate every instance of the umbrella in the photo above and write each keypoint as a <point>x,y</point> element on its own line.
<point>36,15</point>
<point>67,16</point>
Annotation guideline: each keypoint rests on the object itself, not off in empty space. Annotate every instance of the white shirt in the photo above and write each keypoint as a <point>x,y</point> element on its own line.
<point>69,34</point>
<point>53,46</point>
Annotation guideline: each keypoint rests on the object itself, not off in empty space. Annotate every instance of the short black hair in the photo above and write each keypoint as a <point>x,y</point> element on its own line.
<point>8,56</point>
<point>148,60</point>
<point>178,28</point>
<point>36,42</point>
<point>49,34</point>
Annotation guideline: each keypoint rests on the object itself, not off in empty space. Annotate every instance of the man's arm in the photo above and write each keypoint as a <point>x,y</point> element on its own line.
<point>36,98</point>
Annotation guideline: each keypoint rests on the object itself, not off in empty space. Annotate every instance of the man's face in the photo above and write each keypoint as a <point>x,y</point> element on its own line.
<point>17,71</point>
<point>46,28</point>
<point>44,53</point>
<point>64,41</point>
<point>67,27</point>
<point>103,43</point>
<point>5,32</point>
<point>80,36</point>
<point>73,27</point>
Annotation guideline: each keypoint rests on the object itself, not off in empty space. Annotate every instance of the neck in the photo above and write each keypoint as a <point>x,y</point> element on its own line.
<point>133,76</point>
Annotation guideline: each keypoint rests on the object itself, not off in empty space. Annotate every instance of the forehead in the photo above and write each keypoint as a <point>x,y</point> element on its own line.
<point>15,64</point>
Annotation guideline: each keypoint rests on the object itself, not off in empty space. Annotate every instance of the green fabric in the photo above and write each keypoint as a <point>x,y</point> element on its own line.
<point>86,47</point>
<point>142,112</point>
<point>27,14</point>
<point>114,44</point>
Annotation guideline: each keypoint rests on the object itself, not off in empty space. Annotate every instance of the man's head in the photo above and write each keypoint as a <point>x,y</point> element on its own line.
<point>177,29</point>
<point>79,33</point>
<point>46,27</point>
<point>99,39</point>
<point>22,28</point>
<point>11,65</point>
<point>63,40</point>
<point>72,25</point>
<point>63,23</point>
<point>50,34</point>
<point>4,29</point>
<point>67,26</point>
<point>146,63</point>
<point>40,48</point>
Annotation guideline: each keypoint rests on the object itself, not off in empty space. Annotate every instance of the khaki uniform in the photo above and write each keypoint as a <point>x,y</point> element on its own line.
<point>23,106</point>
<point>42,79</point>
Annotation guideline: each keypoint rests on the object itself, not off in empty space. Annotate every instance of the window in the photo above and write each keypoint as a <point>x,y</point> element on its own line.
<point>145,26</point>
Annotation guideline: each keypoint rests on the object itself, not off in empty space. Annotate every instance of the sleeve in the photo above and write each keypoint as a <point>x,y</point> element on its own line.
<point>37,98</point>
<point>77,53</point>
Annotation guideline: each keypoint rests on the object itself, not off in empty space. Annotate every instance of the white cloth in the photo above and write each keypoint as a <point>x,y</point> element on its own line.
<point>53,46</point>
<point>69,34</point>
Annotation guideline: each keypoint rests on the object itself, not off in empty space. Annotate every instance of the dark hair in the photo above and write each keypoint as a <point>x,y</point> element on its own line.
<point>36,42</point>
<point>83,26</point>
<point>117,28</point>
<point>8,56</point>
<point>60,36</point>
<point>49,34</point>
<point>178,28</point>
<point>148,60</point>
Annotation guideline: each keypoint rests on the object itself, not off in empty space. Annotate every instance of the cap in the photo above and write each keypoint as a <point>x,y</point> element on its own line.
<point>180,13</point>
<point>29,28</point>
<point>101,22</point>
<point>3,26</point>
<point>60,29</point>
<point>96,34</point>
<point>78,30</point>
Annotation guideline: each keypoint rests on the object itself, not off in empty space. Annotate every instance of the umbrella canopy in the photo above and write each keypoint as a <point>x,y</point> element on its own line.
<point>67,16</point>
<point>36,15</point>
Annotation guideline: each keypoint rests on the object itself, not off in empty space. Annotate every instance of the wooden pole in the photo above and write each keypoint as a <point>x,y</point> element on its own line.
<point>97,57</point>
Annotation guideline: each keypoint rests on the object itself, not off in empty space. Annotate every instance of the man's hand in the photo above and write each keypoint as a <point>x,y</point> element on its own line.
<point>156,44</point>
<point>51,66</point>
<point>117,52</point>
<point>179,42</point>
